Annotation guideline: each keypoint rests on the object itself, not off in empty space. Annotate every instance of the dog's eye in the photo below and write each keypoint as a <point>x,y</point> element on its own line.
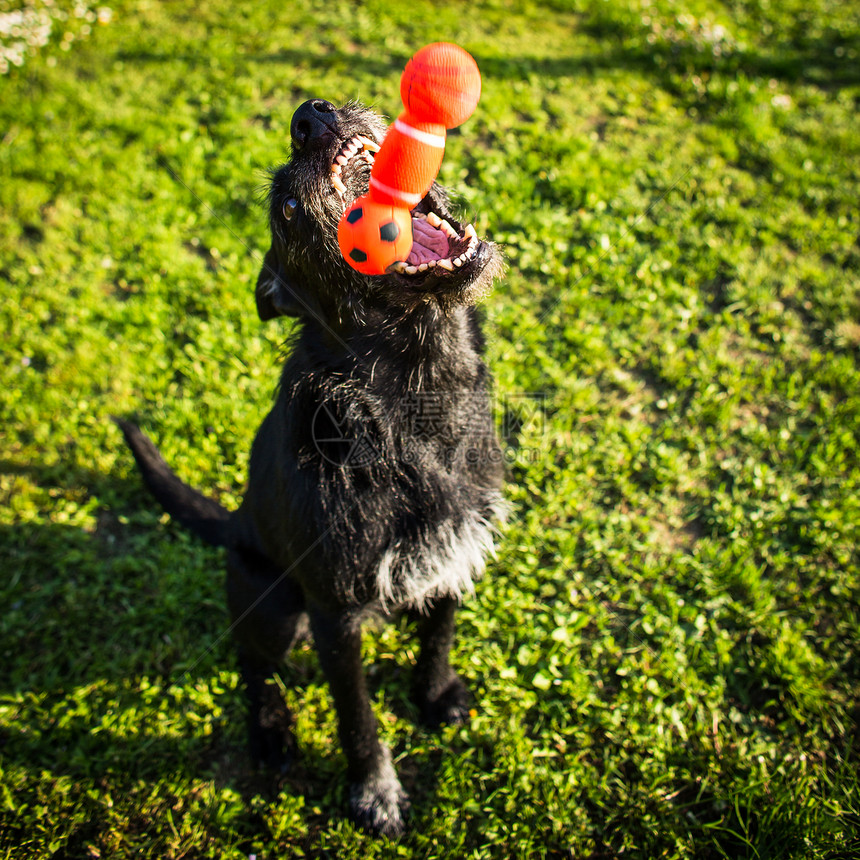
<point>290,208</point>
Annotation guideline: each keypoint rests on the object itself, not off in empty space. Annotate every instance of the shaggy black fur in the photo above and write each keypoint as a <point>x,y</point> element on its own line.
<point>376,476</point>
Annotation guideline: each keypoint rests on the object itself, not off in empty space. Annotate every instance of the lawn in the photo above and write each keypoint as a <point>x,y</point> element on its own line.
<point>666,651</point>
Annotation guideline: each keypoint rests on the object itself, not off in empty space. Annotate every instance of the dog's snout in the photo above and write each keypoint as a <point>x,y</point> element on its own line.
<point>314,123</point>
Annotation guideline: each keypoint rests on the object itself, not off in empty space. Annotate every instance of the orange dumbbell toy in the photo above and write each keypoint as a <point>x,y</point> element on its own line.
<point>440,88</point>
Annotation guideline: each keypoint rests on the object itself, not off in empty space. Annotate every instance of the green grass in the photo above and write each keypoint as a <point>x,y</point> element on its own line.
<point>666,652</point>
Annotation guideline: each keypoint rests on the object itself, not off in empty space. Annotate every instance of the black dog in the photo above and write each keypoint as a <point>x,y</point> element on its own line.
<point>375,479</point>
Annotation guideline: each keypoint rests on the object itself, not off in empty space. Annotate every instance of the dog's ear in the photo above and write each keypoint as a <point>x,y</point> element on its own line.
<point>277,296</point>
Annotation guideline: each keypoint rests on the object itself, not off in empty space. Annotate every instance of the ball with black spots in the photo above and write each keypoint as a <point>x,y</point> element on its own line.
<point>372,236</point>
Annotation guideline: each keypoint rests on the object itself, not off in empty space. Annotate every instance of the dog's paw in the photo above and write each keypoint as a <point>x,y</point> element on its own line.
<point>379,804</point>
<point>451,706</point>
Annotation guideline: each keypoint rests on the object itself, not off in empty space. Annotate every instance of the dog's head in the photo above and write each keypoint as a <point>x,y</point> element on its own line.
<point>304,273</point>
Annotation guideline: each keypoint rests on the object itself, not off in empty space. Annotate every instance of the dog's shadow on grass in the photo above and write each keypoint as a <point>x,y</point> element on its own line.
<point>119,666</point>
<point>825,60</point>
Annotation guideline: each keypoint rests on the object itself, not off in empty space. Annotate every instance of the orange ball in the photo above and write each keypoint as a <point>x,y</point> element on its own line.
<point>373,235</point>
<point>441,84</point>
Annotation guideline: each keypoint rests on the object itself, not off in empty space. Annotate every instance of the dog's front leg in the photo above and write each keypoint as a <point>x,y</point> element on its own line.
<point>377,800</point>
<point>437,689</point>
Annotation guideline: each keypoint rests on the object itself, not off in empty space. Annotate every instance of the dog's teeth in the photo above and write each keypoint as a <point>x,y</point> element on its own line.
<point>441,224</point>
<point>445,264</point>
<point>360,146</point>
<point>419,216</point>
<point>411,270</point>
<point>338,184</point>
<point>470,232</point>
<point>367,143</point>
<point>399,267</point>
<point>423,267</point>
<point>458,262</point>
<point>431,264</point>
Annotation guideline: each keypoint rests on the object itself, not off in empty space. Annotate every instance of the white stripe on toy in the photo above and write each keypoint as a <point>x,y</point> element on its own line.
<point>405,196</point>
<point>436,140</point>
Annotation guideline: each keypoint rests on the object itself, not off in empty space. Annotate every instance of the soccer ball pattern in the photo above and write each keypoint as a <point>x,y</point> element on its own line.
<point>374,235</point>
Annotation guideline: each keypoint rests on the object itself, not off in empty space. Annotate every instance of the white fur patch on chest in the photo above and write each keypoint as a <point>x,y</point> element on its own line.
<point>444,563</point>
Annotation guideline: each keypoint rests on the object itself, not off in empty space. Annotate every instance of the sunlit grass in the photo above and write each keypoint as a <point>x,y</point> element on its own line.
<point>665,651</point>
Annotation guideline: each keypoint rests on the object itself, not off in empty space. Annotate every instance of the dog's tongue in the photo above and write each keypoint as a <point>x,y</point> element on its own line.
<point>428,243</point>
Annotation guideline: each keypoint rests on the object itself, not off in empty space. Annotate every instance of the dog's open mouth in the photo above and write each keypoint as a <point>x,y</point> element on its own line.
<point>439,243</point>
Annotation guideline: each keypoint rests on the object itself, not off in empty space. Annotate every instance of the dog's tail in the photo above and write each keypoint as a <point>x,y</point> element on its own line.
<point>204,516</point>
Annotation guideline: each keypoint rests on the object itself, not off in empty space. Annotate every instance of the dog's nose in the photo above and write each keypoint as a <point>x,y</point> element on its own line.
<point>314,123</point>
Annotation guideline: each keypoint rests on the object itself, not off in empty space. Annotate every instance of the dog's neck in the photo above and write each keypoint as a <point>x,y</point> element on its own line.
<point>423,347</point>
